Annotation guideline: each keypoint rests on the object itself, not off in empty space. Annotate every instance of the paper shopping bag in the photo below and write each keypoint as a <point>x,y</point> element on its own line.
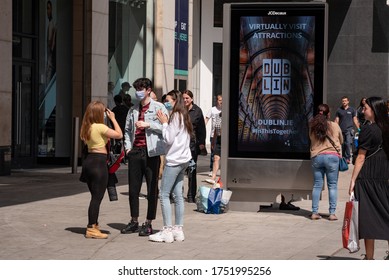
<point>350,235</point>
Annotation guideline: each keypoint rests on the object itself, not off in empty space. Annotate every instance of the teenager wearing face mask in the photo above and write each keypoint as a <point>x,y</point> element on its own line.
<point>144,145</point>
<point>177,130</point>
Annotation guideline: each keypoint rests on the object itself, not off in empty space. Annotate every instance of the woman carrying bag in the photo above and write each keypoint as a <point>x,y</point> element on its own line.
<point>95,135</point>
<point>325,159</point>
<point>370,178</point>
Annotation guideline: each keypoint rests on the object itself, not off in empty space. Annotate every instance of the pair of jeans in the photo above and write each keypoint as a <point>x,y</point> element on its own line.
<point>325,164</point>
<point>172,182</point>
<point>141,165</point>
<point>348,138</point>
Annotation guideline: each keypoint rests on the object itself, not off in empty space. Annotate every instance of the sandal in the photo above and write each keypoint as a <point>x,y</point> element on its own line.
<point>332,217</point>
<point>315,217</point>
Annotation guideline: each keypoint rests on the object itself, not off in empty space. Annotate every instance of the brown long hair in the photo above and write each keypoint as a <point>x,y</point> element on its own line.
<point>319,124</point>
<point>94,113</point>
<point>179,108</point>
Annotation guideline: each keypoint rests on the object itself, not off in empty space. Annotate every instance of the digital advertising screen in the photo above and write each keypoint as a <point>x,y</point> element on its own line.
<point>276,78</point>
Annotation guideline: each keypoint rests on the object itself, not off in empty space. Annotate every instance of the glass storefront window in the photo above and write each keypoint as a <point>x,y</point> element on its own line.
<point>48,89</point>
<point>127,42</point>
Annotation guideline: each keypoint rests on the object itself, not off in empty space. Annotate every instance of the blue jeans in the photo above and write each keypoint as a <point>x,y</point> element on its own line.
<point>325,164</point>
<point>173,181</point>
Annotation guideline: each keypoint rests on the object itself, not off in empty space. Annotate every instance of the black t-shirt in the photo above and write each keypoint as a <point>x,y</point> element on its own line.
<point>346,118</point>
<point>370,138</point>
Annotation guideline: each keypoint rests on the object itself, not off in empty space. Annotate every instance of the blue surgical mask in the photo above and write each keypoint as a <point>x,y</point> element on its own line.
<point>168,106</point>
<point>140,94</point>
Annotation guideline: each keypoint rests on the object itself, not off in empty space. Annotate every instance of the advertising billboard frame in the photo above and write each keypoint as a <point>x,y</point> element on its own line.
<point>261,173</point>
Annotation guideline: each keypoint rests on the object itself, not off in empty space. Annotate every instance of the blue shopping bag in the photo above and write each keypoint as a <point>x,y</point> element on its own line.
<point>214,200</point>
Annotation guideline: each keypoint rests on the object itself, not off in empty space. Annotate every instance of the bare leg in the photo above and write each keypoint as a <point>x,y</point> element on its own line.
<point>216,161</point>
<point>369,247</point>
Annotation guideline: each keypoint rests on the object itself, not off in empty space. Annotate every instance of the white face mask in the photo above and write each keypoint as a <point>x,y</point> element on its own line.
<point>140,94</point>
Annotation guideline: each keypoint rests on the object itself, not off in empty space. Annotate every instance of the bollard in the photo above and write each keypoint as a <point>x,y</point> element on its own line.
<point>76,133</point>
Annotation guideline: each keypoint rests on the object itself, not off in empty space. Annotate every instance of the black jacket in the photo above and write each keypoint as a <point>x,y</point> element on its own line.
<point>198,123</point>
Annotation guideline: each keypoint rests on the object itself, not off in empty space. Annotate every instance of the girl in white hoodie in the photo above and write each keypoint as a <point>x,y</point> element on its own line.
<point>177,131</point>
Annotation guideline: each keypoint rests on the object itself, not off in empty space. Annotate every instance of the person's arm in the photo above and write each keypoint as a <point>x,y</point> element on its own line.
<point>208,116</point>
<point>116,132</point>
<point>356,122</point>
<point>201,131</point>
<point>156,126</point>
<point>128,131</point>
<point>357,168</point>
<point>169,131</point>
<point>336,119</point>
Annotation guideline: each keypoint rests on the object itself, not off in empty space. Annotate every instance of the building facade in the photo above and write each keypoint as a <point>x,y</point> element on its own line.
<point>58,55</point>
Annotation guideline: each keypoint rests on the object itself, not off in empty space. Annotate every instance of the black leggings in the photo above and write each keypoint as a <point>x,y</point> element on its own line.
<point>95,170</point>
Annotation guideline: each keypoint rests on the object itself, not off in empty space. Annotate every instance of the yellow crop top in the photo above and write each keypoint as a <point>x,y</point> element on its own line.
<point>97,136</point>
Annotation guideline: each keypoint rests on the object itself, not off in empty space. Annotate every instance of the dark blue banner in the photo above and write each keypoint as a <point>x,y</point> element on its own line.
<point>181,38</point>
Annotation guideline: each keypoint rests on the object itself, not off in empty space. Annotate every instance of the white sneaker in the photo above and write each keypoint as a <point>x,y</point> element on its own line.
<point>210,181</point>
<point>210,174</point>
<point>178,233</point>
<point>164,235</point>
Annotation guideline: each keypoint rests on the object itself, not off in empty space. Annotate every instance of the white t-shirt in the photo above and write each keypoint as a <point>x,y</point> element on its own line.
<point>213,114</point>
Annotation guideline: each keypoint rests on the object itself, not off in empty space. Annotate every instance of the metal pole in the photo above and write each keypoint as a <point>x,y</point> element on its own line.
<point>76,133</point>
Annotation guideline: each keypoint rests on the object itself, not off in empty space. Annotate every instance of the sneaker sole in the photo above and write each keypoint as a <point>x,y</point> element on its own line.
<point>129,231</point>
<point>145,234</point>
<point>162,241</point>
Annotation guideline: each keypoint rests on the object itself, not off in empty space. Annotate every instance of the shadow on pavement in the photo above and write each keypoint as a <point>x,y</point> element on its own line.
<point>117,226</point>
<point>81,230</point>
<point>78,230</point>
<point>274,209</point>
<point>29,186</point>
<point>335,258</point>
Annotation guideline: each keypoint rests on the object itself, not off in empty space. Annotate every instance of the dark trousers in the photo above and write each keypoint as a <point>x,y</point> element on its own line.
<point>212,156</point>
<point>192,178</point>
<point>95,172</point>
<point>141,165</point>
<point>348,137</point>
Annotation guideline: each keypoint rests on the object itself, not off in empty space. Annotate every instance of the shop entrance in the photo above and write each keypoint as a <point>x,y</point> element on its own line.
<point>24,83</point>
<point>23,128</point>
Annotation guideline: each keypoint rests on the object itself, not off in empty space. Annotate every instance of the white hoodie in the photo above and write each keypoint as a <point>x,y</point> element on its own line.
<point>177,141</point>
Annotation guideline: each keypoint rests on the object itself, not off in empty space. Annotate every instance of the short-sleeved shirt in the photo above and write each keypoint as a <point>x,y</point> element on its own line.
<point>346,118</point>
<point>212,115</point>
<point>97,136</point>
<point>370,138</point>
